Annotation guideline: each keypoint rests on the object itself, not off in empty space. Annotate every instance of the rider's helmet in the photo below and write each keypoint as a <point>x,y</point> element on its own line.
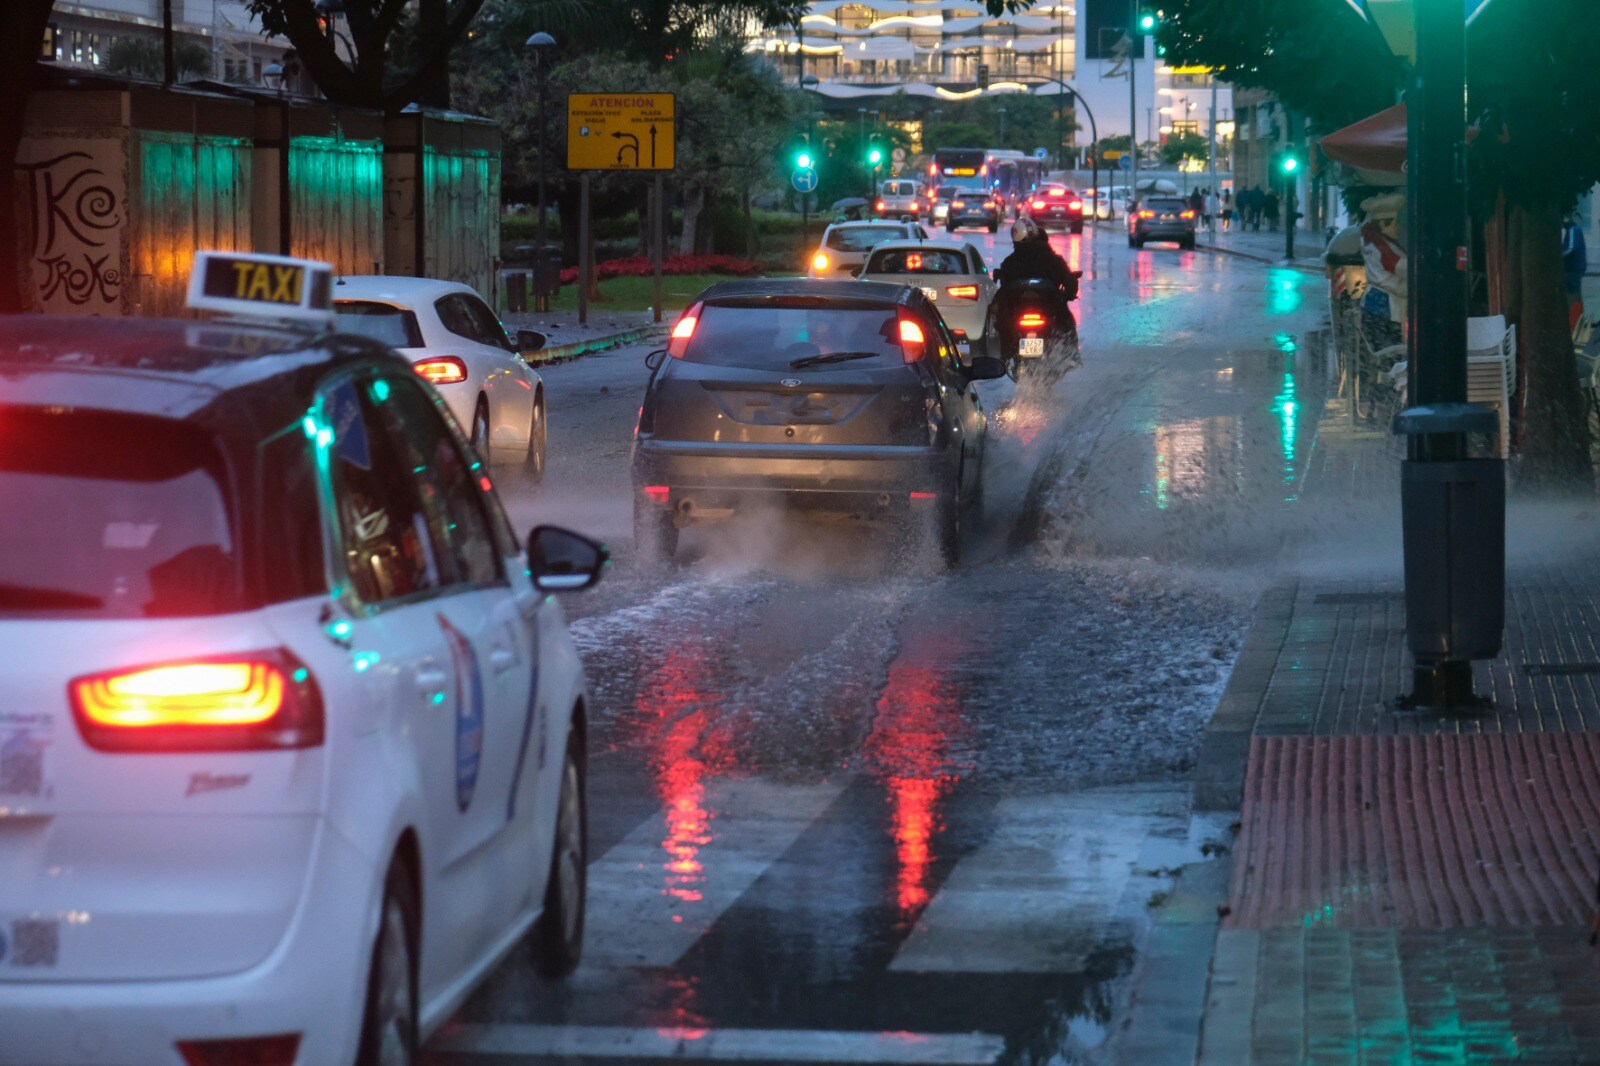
<point>1026,229</point>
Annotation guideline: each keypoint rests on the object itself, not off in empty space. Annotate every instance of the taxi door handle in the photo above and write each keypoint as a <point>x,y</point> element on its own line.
<point>502,659</point>
<point>430,679</point>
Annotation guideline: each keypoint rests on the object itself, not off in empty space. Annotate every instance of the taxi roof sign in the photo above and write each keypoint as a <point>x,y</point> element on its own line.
<point>278,288</point>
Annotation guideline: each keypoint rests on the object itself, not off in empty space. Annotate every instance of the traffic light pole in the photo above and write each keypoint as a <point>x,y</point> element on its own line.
<point>1291,184</point>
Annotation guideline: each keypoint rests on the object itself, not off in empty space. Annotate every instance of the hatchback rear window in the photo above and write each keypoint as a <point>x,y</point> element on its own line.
<point>1166,205</point>
<point>384,323</point>
<point>861,238</point>
<point>113,515</point>
<point>949,192</point>
<point>775,337</point>
<point>917,261</point>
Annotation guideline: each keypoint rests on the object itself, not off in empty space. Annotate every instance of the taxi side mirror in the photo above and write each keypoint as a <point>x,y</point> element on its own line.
<point>560,560</point>
<point>530,340</point>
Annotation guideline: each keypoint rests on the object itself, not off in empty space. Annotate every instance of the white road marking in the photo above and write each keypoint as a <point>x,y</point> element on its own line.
<point>661,887</point>
<point>1038,896</point>
<point>742,1045</point>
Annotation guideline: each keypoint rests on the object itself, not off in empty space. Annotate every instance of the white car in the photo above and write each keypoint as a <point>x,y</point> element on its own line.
<point>292,743</point>
<point>455,341</point>
<point>845,245</point>
<point>950,273</point>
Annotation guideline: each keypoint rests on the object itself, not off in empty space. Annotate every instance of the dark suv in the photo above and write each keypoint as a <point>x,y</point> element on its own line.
<point>841,396</point>
<point>1161,218</point>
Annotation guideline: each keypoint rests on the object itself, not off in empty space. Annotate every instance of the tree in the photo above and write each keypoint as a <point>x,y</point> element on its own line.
<point>1180,146</point>
<point>1534,90</point>
<point>401,47</point>
<point>143,57</point>
<point>22,26</point>
<point>655,32</point>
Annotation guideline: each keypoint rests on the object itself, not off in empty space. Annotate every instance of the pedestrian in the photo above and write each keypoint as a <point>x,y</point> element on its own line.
<point>1213,209</point>
<point>1197,202</point>
<point>1574,265</point>
<point>1269,207</point>
<point>1247,207</point>
<point>1227,209</point>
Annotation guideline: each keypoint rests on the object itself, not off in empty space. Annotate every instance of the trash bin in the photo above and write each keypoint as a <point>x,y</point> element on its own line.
<point>516,290</point>
<point>1453,512</point>
<point>547,271</point>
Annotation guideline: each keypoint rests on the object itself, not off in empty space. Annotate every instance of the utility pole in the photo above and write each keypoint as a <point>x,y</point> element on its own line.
<point>169,73</point>
<point>1211,143</point>
<point>1135,46</point>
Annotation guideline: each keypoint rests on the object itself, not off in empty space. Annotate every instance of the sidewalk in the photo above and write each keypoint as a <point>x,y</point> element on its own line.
<point>1406,887</point>
<point>568,340</point>
<point>1267,246</point>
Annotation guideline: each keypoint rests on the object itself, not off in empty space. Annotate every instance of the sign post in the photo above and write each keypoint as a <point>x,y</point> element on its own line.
<point>804,179</point>
<point>627,132</point>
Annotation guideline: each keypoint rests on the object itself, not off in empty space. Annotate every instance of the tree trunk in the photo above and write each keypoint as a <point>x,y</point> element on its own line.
<point>749,225</point>
<point>1555,449</point>
<point>22,24</point>
<point>693,204</point>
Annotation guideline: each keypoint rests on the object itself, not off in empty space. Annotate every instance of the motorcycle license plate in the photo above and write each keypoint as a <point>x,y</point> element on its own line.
<point>1030,347</point>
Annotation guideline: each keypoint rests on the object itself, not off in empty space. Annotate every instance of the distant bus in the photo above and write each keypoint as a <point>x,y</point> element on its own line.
<point>1007,174</point>
<point>963,167</point>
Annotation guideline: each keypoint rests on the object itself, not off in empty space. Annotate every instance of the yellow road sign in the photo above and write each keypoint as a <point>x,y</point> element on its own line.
<point>621,131</point>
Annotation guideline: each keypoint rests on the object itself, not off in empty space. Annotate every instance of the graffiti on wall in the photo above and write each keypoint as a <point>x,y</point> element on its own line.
<point>76,200</point>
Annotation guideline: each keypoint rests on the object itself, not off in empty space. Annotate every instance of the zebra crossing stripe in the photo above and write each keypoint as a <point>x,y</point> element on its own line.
<point>662,886</point>
<point>713,1045</point>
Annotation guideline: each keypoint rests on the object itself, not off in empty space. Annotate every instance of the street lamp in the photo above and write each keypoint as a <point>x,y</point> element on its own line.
<point>539,46</point>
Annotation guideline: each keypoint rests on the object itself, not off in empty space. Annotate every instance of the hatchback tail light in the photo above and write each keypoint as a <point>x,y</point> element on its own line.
<point>913,342</point>
<point>252,1051</point>
<point>963,292</point>
<point>1030,320</point>
<point>441,369</point>
<point>682,331</point>
<point>258,701</point>
<point>1185,214</point>
<point>1147,214</point>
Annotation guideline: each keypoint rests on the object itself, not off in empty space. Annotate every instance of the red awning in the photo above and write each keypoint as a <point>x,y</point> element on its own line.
<point>1377,142</point>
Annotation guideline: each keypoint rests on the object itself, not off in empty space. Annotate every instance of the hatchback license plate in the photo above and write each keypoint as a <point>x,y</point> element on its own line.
<point>1030,346</point>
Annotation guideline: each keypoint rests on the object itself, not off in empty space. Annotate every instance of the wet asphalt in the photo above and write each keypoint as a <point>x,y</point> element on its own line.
<point>846,807</point>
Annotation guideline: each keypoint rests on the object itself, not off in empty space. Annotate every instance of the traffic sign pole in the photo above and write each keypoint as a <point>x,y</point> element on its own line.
<point>584,254</point>
<point>659,238</point>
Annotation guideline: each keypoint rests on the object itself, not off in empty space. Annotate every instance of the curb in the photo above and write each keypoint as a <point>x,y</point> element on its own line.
<point>1302,267</point>
<point>566,353</point>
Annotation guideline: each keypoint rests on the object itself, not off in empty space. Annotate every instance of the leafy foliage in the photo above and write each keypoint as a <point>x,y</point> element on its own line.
<point>141,57</point>
<point>1181,146</point>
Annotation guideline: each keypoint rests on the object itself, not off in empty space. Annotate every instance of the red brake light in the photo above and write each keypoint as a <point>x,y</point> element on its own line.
<point>682,330</point>
<point>1075,205</point>
<point>441,369</point>
<point>1147,214</point>
<point>1038,205</point>
<point>252,1051</point>
<point>235,703</point>
<point>1030,320</point>
<point>963,292</point>
<point>880,205</point>
<point>912,341</point>
<point>1057,193</point>
<point>658,493</point>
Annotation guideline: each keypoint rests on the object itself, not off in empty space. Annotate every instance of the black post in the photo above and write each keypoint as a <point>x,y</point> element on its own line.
<point>169,73</point>
<point>1290,192</point>
<point>658,202</point>
<point>1453,507</point>
<point>542,234</point>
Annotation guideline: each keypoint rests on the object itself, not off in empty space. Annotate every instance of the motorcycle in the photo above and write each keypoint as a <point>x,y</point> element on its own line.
<point>1033,321</point>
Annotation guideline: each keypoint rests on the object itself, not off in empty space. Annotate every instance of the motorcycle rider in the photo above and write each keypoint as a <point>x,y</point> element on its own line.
<point>1033,257</point>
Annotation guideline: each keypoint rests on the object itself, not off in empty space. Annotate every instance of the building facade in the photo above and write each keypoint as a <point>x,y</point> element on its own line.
<point>84,33</point>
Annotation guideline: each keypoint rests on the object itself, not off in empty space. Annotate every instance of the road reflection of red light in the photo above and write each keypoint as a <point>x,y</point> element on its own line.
<point>915,743</point>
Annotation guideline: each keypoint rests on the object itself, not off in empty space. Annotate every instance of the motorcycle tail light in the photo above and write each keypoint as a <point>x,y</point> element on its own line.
<point>963,292</point>
<point>1030,320</point>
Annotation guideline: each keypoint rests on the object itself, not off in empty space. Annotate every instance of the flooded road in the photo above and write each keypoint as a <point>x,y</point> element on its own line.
<point>848,808</point>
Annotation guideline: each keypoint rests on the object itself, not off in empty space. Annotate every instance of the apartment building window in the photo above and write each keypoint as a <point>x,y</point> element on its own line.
<point>1186,125</point>
<point>47,47</point>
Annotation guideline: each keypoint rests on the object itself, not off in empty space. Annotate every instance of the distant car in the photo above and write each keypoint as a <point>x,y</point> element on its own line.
<point>841,396</point>
<point>940,196</point>
<point>1161,218</point>
<point>898,198</point>
<point>845,245</point>
<point>1055,205</point>
<point>973,207</point>
<point>951,274</point>
<point>455,341</point>
<point>1106,203</point>
<point>293,739</point>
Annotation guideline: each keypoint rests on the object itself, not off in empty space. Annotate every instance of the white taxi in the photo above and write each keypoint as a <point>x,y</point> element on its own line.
<point>292,738</point>
<point>950,273</point>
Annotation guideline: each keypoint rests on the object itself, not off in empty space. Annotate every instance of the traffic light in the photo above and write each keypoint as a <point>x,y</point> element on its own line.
<point>874,156</point>
<point>1288,162</point>
<point>1148,22</point>
<point>803,160</point>
<point>983,75</point>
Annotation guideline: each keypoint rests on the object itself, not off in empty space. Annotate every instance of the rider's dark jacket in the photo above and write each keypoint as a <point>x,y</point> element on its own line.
<point>1036,259</point>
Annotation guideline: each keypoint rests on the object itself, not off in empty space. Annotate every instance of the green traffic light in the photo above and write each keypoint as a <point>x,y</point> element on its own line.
<point>803,160</point>
<point>1290,164</point>
<point>875,157</point>
<point>1147,23</point>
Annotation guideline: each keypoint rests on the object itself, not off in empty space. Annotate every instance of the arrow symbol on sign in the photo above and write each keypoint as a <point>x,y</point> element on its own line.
<point>652,145</point>
<point>633,146</point>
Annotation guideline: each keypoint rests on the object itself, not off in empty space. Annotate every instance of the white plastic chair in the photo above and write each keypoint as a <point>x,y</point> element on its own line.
<point>1492,369</point>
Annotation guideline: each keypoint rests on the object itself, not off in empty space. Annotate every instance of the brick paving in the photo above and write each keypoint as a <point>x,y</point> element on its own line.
<point>1406,887</point>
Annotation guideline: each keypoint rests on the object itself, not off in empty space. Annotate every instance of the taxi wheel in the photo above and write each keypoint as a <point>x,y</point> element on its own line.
<point>558,936</point>
<point>389,1026</point>
<point>533,466</point>
<point>480,430</point>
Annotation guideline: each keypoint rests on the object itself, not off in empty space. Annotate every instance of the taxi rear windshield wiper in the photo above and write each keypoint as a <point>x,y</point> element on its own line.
<point>26,598</point>
<point>831,357</point>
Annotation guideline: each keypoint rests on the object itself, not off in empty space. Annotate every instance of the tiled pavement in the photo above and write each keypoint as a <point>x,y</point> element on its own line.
<point>1406,888</point>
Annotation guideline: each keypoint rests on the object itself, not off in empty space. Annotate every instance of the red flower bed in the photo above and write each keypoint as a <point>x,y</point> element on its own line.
<point>639,266</point>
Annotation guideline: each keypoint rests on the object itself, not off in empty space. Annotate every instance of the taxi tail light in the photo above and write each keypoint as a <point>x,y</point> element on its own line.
<point>820,261</point>
<point>257,701</point>
<point>683,331</point>
<point>441,369</point>
<point>1030,320</point>
<point>913,343</point>
<point>963,292</point>
<point>252,1051</point>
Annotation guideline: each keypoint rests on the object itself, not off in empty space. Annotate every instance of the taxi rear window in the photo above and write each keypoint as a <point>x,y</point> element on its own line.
<point>917,261</point>
<point>113,515</point>
<point>384,323</point>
